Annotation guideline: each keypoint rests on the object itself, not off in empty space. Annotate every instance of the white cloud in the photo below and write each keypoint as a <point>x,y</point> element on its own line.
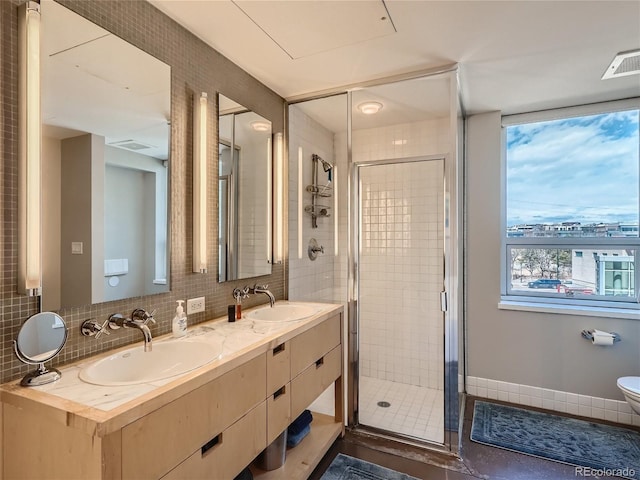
<point>584,169</point>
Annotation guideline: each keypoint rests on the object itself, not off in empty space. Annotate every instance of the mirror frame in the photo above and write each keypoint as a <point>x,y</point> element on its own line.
<point>40,376</point>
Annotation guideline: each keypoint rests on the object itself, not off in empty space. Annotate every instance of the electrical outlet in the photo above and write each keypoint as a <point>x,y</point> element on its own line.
<point>195,305</point>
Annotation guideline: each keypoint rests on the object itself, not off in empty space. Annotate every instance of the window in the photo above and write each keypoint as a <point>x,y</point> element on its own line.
<point>572,205</point>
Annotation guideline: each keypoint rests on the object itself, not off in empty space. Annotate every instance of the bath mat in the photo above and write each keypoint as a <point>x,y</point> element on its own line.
<point>612,451</point>
<point>345,467</point>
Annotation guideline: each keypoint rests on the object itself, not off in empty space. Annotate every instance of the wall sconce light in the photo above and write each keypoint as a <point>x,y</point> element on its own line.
<point>300,200</point>
<point>200,184</point>
<point>270,210</point>
<point>278,198</point>
<point>29,151</point>
<point>336,212</point>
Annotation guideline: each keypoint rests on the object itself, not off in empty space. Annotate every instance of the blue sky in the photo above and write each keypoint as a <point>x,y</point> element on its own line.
<point>583,169</point>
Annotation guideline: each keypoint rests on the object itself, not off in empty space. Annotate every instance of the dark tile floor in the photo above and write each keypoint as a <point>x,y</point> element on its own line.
<point>477,461</point>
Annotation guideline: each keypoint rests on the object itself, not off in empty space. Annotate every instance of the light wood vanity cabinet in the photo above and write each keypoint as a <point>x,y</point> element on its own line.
<point>176,431</point>
<point>211,431</point>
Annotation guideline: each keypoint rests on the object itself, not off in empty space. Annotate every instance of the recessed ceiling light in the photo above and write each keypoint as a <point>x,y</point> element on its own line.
<point>370,108</point>
<point>624,63</point>
<point>399,142</point>
<point>260,126</point>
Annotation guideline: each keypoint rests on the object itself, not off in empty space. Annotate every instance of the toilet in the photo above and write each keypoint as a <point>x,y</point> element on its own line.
<point>630,387</point>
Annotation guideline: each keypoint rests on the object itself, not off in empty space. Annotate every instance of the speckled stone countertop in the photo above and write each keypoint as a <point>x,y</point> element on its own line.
<point>100,410</point>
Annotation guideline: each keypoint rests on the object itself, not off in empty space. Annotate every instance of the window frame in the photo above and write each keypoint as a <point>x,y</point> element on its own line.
<point>517,297</point>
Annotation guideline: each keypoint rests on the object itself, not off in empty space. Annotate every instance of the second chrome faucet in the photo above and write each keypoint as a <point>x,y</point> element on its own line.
<point>240,293</point>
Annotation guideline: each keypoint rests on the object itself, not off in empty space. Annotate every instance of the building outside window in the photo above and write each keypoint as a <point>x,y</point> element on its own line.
<point>572,205</point>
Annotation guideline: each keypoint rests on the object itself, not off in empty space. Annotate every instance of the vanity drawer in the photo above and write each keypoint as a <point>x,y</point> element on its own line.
<point>227,454</point>
<point>161,440</point>
<point>307,386</point>
<point>309,346</point>
<point>278,366</point>
<point>278,412</point>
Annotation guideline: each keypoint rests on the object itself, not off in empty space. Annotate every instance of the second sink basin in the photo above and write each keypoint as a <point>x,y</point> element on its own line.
<point>134,365</point>
<point>283,312</point>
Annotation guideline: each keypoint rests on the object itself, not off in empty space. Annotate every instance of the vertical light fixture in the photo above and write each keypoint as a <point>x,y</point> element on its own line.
<point>269,195</point>
<point>300,200</point>
<point>29,150</point>
<point>336,212</point>
<point>200,184</point>
<point>278,197</point>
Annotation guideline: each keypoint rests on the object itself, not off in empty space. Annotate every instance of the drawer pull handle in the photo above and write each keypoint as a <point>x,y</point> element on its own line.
<point>319,362</point>
<point>278,349</point>
<point>217,440</point>
<point>279,392</point>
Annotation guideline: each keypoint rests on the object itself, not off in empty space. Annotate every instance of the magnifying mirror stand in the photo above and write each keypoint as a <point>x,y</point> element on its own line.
<point>41,376</point>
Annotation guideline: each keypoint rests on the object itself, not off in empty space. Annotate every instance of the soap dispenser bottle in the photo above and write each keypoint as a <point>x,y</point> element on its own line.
<point>179,325</point>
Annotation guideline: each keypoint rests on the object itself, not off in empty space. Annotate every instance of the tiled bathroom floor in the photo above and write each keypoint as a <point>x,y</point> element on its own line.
<point>414,411</point>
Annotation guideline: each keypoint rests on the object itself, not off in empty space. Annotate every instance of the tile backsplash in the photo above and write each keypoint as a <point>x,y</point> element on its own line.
<point>195,67</point>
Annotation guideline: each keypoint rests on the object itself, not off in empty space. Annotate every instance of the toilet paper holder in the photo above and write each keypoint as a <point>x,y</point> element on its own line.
<point>588,334</point>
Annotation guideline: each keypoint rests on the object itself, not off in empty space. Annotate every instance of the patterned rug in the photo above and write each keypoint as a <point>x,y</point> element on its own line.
<point>595,448</point>
<point>345,467</point>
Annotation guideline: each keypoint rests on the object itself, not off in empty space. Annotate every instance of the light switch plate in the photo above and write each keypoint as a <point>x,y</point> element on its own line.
<point>76,248</point>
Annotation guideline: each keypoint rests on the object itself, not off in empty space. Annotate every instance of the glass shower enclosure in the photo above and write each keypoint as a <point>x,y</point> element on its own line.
<point>392,247</point>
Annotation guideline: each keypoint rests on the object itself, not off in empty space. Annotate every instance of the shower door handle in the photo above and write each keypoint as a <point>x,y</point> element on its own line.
<point>443,301</point>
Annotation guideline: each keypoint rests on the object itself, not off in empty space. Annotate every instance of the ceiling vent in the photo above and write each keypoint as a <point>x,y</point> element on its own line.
<point>624,63</point>
<point>130,145</point>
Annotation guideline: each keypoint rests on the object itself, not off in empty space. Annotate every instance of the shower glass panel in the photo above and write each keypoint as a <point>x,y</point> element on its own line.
<point>401,277</point>
<point>402,158</point>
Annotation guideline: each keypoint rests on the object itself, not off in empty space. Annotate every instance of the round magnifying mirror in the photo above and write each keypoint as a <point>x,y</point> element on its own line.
<point>40,339</point>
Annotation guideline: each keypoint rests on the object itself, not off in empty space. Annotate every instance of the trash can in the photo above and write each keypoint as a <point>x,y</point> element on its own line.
<point>274,455</point>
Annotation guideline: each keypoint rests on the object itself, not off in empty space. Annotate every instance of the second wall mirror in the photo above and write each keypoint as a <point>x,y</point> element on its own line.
<point>244,189</point>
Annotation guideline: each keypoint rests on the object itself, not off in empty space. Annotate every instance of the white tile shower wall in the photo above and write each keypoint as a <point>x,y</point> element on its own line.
<point>429,137</point>
<point>582,405</point>
<point>309,280</point>
<point>401,265</point>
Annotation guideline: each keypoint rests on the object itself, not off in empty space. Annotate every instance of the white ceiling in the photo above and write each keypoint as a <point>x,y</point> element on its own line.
<point>514,56</point>
<point>129,91</point>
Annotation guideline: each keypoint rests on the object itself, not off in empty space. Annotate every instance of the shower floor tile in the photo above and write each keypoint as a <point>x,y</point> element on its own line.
<point>414,411</point>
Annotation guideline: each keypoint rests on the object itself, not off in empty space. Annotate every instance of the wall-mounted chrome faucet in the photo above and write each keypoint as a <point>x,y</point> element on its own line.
<point>139,320</point>
<point>264,289</point>
<point>239,294</point>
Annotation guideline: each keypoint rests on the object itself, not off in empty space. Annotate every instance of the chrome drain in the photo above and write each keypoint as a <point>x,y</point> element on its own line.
<point>384,404</point>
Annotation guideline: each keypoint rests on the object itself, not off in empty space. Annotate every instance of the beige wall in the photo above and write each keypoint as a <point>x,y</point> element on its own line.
<point>538,349</point>
<point>77,183</point>
<point>51,189</point>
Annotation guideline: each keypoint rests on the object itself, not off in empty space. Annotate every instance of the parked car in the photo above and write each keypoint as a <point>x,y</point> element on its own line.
<point>545,283</point>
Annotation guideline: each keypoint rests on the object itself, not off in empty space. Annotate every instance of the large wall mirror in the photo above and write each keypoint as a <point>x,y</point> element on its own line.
<point>244,186</point>
<point>106,112</point>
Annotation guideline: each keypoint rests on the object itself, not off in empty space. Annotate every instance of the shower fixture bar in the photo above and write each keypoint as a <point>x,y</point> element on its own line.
<point>318,190</point>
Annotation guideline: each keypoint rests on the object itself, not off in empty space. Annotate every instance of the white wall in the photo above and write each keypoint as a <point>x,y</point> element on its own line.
<point>309,280</point>
<point>524,348</point>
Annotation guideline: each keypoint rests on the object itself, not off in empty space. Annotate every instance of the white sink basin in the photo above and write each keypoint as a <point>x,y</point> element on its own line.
<point>134,365</point>
<point>283,312</point>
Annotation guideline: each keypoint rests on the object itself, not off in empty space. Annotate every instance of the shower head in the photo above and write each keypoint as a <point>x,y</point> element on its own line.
<point>326,166</point>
